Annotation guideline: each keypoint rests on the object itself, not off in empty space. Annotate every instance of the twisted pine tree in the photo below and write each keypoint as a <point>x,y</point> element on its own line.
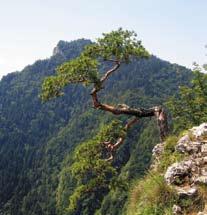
<point>117,47</point>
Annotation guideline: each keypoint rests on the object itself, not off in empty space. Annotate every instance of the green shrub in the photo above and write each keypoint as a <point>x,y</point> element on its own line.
<point>169,155</point>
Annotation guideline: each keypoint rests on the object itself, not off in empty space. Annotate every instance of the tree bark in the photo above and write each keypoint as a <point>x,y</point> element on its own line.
<point>111,147</point>
<point>156,111</point>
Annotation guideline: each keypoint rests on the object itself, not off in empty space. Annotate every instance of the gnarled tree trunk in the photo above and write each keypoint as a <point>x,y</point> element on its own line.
<point>137,113</point>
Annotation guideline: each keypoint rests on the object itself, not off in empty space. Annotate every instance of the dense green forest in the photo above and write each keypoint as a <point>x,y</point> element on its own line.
<point>38,141</point>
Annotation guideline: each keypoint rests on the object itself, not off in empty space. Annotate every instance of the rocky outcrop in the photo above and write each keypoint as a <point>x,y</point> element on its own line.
<point>158,150</point>
<point>186,175</point>
<point>156,153</point>
<point>193,169</point>
<point>185,145</point>
<point>200,132</point>
<point>179,173</point>
<point>177,210</point>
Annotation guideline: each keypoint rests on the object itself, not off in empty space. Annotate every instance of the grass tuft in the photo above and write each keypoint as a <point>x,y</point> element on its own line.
<point>150,196</point>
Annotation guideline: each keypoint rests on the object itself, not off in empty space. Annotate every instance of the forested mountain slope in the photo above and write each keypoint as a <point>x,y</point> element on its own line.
<point>37,139</point>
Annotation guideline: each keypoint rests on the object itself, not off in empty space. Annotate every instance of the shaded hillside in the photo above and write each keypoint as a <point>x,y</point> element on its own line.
<point>36,139</point>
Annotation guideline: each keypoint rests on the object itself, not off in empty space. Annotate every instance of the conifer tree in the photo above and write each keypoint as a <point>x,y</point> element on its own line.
<point>114,49</point>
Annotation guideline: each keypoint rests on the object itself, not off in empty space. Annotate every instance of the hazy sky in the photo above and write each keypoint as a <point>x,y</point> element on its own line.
<point>175,30</point>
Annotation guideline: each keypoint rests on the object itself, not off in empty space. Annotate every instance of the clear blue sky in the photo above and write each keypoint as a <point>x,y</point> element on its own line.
<point>174,30</point>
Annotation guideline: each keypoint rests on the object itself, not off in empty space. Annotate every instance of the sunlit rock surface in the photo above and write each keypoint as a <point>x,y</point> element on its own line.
<point>186,175</point>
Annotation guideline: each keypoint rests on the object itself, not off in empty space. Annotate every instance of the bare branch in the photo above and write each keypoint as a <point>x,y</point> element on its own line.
<point>112,148</point>
<point>156,111</point>
<point>109,72</point>
<point>131,123</point>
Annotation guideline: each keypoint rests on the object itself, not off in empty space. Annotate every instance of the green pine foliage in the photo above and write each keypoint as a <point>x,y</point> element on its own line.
<point>189,108</point>
<point>92,172</point>
<point>142,139</point>
<point>117,46</point>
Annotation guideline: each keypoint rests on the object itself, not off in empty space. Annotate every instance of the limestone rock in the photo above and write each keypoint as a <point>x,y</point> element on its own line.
<point>177,172</point>
<point>177,210</point>
<point>201,180</point>
<point>200,132</point>
<point>187,192</point>
<point>185,145</point>
<point>202,213</point>
<point>157,150</point>
<point>204,149</point>
<point>186,175</point>
<point>203,171</point>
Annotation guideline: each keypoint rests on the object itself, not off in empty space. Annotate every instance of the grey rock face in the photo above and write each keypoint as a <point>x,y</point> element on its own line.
<point>57,51</point>
<point>156,153</point>
<point>176,210</point>
<point>187,192</point>
<point>178,173</point>
<point>201,180</point>
<point>185,145</point>
<point>200,132</point>
<point>194,168</point>
<point>204,148</point>
<point>185,176</point>
<point>157,150</point>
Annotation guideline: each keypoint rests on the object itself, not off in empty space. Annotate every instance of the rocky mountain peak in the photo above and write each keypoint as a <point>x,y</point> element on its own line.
<point>64,48</point>
<point>59,48</point>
